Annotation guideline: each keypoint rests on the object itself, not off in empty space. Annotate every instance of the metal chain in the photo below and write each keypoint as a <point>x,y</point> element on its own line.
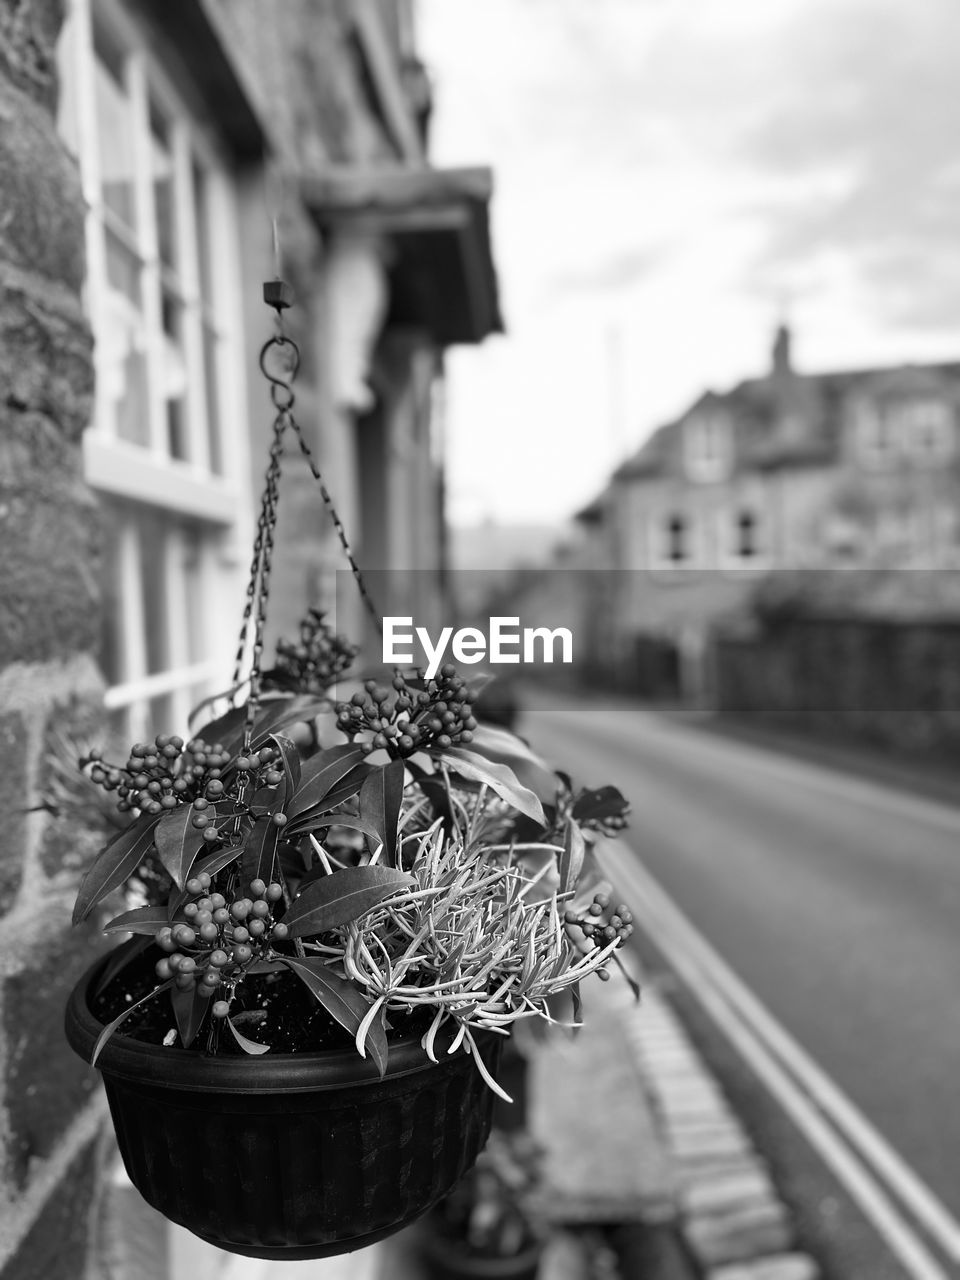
<point>258,586</point>
<point>338,525</point>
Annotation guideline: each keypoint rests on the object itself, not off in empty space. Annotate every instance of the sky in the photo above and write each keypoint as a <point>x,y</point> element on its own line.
<point>672,179</point>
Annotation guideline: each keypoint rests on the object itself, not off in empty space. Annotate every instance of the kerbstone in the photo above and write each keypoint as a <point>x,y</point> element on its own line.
<point>741,1235</point>
<point>785,1266</point>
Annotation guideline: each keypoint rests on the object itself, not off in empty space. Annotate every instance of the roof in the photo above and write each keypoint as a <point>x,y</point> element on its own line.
<point>790,420</point>
<point>444,276</point>
<point>196,34</point>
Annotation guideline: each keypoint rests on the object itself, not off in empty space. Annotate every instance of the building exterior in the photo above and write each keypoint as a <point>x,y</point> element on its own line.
<point>787,470</point>
<point>147,150</point>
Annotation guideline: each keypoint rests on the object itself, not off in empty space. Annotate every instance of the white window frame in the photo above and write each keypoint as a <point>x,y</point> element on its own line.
<point>707,447</point>
<point>659,537</point>
<point>728,539</point>
<point>928,428</point>
<point>219,505</point>
<point>879,439</point>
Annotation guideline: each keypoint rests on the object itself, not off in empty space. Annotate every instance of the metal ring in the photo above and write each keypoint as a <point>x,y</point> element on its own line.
<point>280,343</point>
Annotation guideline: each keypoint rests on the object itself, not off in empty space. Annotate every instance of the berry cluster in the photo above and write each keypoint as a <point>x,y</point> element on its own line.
<point>316,663</point>
<point>600,925</point>
<point>419,715</point>
<point>163,775</point>
<point>217,939</point>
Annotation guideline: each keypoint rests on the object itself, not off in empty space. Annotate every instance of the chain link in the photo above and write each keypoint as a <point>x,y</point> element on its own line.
<point>258,586</point>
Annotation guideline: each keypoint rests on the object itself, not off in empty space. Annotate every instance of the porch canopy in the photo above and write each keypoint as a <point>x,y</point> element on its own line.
<point>443,277</point>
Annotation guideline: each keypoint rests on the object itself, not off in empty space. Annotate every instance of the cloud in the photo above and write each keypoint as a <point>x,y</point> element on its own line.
<point>872,94</point>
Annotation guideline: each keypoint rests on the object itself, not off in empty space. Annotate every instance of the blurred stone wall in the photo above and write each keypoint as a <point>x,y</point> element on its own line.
<point>50,1117</point>
<point>894,683</point>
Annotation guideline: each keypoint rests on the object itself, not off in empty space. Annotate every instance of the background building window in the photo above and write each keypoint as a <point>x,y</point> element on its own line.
<point>746,545</point>
<point>707,447</point>
<point>927,428</point>
<point>161,290</point>
<point>672,541</point>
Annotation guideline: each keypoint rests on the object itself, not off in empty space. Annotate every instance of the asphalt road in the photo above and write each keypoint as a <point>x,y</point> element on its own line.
<point>837,900</point>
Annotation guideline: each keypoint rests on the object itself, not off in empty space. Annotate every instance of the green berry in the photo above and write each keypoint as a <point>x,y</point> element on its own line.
<point>220,1009</point>
<point>281,931</point>
<point>258,888</point>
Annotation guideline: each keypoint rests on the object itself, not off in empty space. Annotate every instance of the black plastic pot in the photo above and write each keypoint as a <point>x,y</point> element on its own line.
<point>289,1156</point>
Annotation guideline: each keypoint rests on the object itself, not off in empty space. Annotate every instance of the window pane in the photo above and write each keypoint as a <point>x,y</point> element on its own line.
<point>197,646</point>
<point>153,589</point>
<point>162,172</point>
<point>115,133</point>
<point>121,345</point>
<point>174,376</point>
<point>211,367</point>
<point>111,650</point>
<point>201,211</point>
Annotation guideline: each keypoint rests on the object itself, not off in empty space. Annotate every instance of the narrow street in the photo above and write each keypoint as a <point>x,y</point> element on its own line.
<point>834,899</point>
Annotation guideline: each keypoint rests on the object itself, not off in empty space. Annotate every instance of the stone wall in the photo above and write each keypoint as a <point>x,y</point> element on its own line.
<point>50,1113</point>
<point>892,683</point>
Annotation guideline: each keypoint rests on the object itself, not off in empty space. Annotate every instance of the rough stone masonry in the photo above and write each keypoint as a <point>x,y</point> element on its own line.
<point>50,1117</point>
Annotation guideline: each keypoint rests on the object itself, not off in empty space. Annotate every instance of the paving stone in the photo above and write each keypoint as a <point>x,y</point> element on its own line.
<point>729,1191</point>
<point>785,1266</point>
<point>708,1141</point>
<point>705,1167</point>
<point>739,1236</point>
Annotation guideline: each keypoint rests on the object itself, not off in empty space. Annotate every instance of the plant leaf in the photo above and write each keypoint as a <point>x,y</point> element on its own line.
<point>179,841</point>
<point>343,1001</point>
<point>291,760</point>
<point>599,805</point>
<point>320,774</point>
<point>499,778</point>
<point>345,790</point>
<point>345,820</point>
<point>211,864</point>
<point>577,1002</point>
<point>372,1035</point>
<point>120,958</point>
<point>343,896</point>
<point>503,747</point>
<point>111,1027</point>
<point>260,851</point>
<point>380,797</point>
<point>116,863</point>
<point>142,920</point>
<point>571,860</point>
<point>248,1046</point>
<point>275,714</point>
<point>189,1009</point>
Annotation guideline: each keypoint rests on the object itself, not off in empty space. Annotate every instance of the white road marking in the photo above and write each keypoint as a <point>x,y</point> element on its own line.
<point>852,1148</point>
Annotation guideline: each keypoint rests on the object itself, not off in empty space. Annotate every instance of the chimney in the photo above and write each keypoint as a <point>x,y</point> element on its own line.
<point>782,367</point>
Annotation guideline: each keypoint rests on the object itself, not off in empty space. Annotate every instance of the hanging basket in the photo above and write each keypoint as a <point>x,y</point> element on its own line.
<point>290,1156</point>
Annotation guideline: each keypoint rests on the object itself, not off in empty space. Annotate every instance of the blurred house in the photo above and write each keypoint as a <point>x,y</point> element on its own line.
<point>787,470</point>
<point>194,126</point>
<point>145,149</point>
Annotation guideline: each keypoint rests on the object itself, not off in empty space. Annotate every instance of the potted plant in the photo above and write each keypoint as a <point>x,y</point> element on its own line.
<point>491,1226</point>
<point>337,911</point>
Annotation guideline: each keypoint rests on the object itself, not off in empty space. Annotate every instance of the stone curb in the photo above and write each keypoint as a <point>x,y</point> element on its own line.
<point>731,1217</point>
